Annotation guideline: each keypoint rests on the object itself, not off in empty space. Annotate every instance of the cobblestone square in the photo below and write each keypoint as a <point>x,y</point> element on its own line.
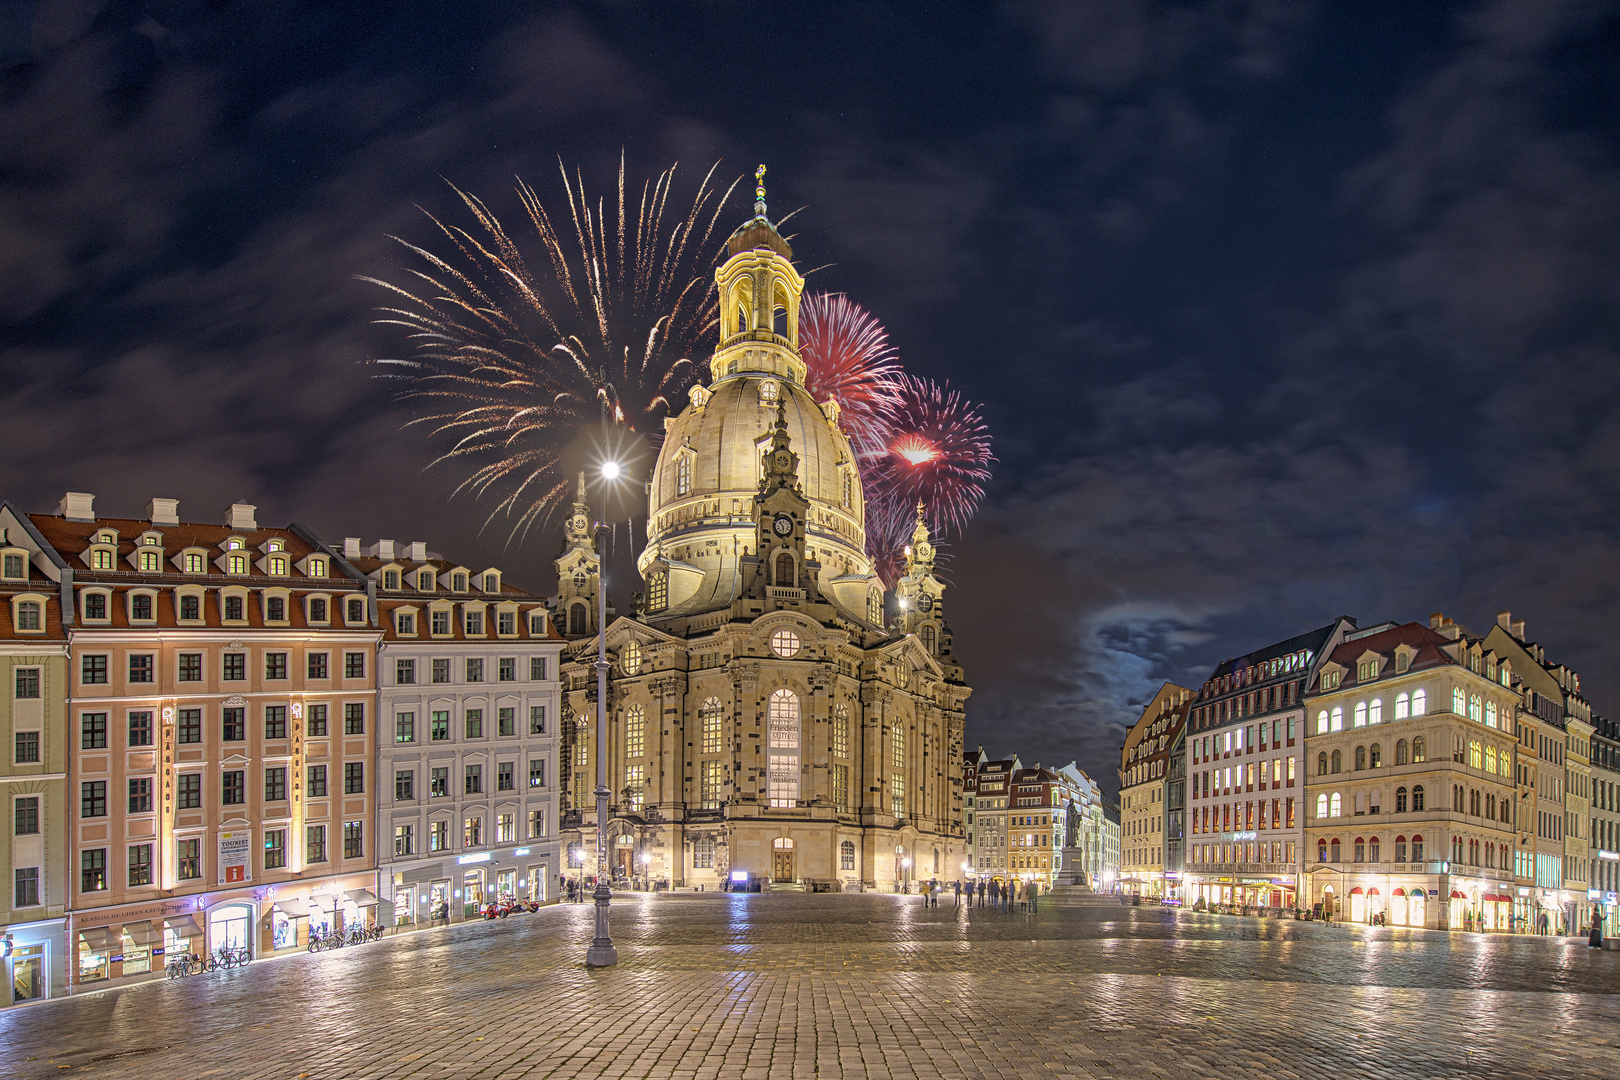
<point>870,986</point>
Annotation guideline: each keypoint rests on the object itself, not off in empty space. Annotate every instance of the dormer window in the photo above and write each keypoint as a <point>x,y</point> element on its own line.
<point>275,545</point>
<point>14,566</point>
<point>194,562</point>
<point>492,583</point>
<point>1330,679</point>
<point>26,616</point>
<point>458,582</point>
<point>236,564</point>
<point>101,559</point>
<point>278,565</point>
<point>1367,670</point>
<point>317,566</point>
<point>234,544</point>
<point>95,606</point>
<point>107,537</point>
<point>405,622</point>
<point>150,562</point>
<point>424,581</point>
<point>390,579</point>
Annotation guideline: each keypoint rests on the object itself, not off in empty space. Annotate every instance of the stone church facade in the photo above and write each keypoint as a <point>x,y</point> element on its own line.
<point>766,720</point>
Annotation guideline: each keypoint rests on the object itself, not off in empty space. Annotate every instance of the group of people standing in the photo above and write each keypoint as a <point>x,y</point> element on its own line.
<point>998,895</point>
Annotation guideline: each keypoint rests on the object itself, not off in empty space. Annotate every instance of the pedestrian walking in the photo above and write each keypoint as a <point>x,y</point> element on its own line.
<point>995,894</point>
<point>970,892</point>
<point>956,894</point>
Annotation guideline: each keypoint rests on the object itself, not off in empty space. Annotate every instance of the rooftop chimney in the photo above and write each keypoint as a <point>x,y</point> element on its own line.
<point>78,506</point>
<point>419,551</point>
<point>383,549</point>
<point>1435,619</point>
<point>1504,619</point>
<point>240,517</point>
<point>351,547</point>
<point>1517,629</point>
<point>163,511</point>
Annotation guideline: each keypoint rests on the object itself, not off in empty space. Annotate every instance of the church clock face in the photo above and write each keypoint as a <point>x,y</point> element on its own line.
<point>579,579</point>
<point>925,603</point>
<point>783,461</point>
<point>579,523</point>
<point>782,525</point>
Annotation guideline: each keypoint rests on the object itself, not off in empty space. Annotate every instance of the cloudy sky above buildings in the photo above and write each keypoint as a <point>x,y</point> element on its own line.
<point>1277,310</point>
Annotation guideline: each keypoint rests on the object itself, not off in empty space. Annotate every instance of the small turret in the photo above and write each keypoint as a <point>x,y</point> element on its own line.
<point>579,572</point>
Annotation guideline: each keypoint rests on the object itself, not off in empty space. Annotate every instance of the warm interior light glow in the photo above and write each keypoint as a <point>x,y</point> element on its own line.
<point>610,470</point>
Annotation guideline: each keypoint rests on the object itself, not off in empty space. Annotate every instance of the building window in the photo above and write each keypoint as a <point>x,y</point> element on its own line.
<point>405,727</point>
<point>441,623</point>
<point>391,580</point>
<point>354,665</point>
<point>840,788</point>
<point>317,720</point>
<point>506,721</point>
<point>354,718</point>
<point>537,824</point>
<point>472,832</point>
<point>188,725</point>
<point>635,730</point>
<point>315,781</point>
<point>709,781</point>
<point>472,780</point>
<point>439,782</point>
<point>711,720</point>
<point>316,665</point>
<point>140,795</point>
<point>354,777</point>
<point>190,608</point>
<point>188,859</point>
<point>25,887</point>
<point>1417,798</point>
<point>93,870</point>
<point>537,772</point>
<point>782,768</point>
<point>27,747</point>
<point>275,721</point>
<point>404,839</point>
<point>441,671</point>
<point>28,615</point>
<point>275,784</point>
<point>315,844</point>
<point>657,591</point>
<point>25,816</point>
<point>475,669</point>
<point>703,853</point>
<point>505,829</point>
<point>233,725</point>
<point>405,672</point>
<point>353,846</point>
<point>537,719</point>
<point>233,787</point>
<point>505,776</point>
<point>275,665</point>
<point>475,623</point>
<point>275,848</point>
<point>506,669</point>
<point>140,728</point>
<point>506,623</point>
<point>630,657</point>
<point>26,683</point>
<point>93,670</point>
<point>439,836</point>
<point>357,610</point>
<point>537,628</point>
<point>93,731</point>
<point>635,786</point>
<point>846,855</point>
<point>537,669</point>
<point>474,723</point>
<point>317,609</point>
<point>188,791</point>
<point>683,474</point>
<point>404,785</point>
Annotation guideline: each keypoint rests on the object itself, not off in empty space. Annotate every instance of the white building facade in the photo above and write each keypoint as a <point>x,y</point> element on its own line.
<point>467,752</point>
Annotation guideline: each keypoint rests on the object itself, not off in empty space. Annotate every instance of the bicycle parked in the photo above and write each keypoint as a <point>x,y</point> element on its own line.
<point>179,967</point>
<point>228,957</point>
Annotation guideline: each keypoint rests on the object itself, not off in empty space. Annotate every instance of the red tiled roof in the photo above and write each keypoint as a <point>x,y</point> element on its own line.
<point>1430,646</point>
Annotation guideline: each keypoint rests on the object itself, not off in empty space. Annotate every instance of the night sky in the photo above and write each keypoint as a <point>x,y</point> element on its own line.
<point>1277,311</point>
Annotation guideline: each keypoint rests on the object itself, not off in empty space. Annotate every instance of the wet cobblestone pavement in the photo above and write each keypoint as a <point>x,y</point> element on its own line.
<point>827,987</point>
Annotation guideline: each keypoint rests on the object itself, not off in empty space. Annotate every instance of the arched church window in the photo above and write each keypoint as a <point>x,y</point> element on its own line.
<point>849,489</point>
<point>928,637</point>
<point>874,607</point>
<point>657,591</point>
<point>630,657</point>
<point>576,620</point>
<point>784,569</point>
<point>635,733</point>
<point>711,723</point>
<point>840,731</point>
<point>768,392</point>
<point>782,731</point>
<point>846,855</point>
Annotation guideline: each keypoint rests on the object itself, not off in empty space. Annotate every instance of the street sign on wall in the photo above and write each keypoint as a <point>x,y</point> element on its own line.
<point>235,850</point>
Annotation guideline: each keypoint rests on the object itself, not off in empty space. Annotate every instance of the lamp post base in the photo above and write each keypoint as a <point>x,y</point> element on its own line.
<point>602,952</point>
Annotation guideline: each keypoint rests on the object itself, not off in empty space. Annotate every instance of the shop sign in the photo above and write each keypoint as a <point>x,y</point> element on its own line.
<point>235,849</point>
<point>482,856</point>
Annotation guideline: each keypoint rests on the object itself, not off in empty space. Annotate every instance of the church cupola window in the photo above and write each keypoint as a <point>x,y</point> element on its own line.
<point>769,392</point>
<point>683,474</point>
<point>657,591</point>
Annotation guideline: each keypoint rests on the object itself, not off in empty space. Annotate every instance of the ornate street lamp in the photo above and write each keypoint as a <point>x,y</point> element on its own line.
<point>602,952</point>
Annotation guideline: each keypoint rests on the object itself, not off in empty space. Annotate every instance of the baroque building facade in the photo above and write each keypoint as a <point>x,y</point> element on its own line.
<point>766,722</point>
<point>1147,823</point>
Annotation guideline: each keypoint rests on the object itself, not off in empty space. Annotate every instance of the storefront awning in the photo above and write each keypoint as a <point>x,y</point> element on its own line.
<point>101,939</point>
<point>361,897</point>
<point>184,926</point>
<point>1497,899</point>
<point>1372,890</point>
<point>290,910</point>
<point>1398,891</point>
<point>1357,891</point>
<point>1455,895</point>
<point>144,934</point>
<point>1418,893</point>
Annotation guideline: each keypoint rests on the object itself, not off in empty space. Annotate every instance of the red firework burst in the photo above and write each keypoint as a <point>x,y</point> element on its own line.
<point>850,361</point>
<point>936,452</point>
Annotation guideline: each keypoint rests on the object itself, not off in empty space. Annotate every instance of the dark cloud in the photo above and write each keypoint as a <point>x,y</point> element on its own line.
<point>1278,311</point>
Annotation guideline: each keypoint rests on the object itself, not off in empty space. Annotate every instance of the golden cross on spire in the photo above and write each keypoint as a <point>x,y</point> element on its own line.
<point>759,191</point>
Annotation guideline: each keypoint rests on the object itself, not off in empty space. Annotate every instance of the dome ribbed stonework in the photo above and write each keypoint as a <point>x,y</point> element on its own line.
<point>721,437</point>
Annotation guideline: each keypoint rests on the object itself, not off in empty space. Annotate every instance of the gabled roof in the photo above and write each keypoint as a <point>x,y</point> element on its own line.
<point>1429,646</point>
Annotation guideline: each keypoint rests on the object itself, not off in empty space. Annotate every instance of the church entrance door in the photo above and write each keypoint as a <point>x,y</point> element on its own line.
<point>782,863</point>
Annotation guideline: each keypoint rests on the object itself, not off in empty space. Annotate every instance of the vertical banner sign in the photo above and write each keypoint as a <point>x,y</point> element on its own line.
<point>234,850</point>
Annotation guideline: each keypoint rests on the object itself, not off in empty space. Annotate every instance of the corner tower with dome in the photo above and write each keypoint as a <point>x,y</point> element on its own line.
<point>764,722</point>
